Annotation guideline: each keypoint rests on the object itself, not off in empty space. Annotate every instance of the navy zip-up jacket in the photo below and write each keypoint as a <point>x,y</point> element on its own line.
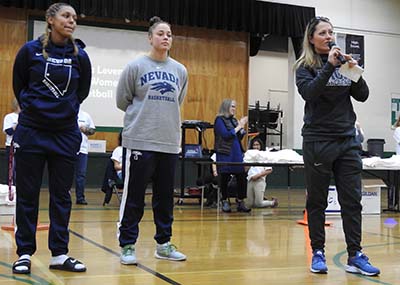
<point>49,91</point>
<point>328,112</point>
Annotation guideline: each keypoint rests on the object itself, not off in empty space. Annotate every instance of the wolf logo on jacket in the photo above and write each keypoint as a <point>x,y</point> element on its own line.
<point>337,79</point>
<point>163,87</point>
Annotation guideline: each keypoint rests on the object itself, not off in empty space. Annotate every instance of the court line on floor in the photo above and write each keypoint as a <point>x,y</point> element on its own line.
<point>41,267</point>
<point>336,260</point>
<point>209,218</point>
<point>22,278</point>
<point>141,266</point>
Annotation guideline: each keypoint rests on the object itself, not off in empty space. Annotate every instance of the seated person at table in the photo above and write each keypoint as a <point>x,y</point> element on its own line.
<point>113,173</point>
<point>116,157</point>
<point>256,182</point>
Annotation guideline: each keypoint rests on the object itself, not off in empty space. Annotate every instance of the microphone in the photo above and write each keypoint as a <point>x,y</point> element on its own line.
<point>339,57</point>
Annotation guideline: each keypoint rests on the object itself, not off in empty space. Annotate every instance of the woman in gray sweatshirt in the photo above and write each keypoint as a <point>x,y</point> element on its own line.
<point>150,91</point>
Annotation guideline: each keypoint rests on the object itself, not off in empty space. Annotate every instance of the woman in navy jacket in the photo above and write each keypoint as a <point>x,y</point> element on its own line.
<point>228,132</point>
<point>51,77</point>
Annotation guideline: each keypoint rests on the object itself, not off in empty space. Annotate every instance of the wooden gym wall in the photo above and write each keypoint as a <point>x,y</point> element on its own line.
<point>13,30</point>
<point>217,62</point>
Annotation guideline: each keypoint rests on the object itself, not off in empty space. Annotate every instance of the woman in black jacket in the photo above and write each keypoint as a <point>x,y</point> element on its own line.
<point>329,142</point>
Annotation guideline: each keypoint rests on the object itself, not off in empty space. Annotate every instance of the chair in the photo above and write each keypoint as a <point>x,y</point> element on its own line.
<point>112,184</point>
<point>208,185</point>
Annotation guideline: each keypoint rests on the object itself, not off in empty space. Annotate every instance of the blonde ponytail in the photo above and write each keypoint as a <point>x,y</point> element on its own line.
<point>45,40</point>
<point>76,50</point>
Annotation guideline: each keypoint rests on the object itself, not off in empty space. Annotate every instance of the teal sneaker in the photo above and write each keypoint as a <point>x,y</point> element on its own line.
<point>360,264</point>
<point>128,256</point>
<point>168,251</point>
<point>226,207</point>
<point>318,263</point>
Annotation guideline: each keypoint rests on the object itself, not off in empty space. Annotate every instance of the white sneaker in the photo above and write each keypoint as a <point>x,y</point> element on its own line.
<point>128,255</point>
<point>168,251</point>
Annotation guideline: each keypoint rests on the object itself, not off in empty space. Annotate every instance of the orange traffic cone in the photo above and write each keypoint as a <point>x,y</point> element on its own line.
<point>11,227</point>
<point>8,227</point>
<point>304,221</point>
<point>42,227</point>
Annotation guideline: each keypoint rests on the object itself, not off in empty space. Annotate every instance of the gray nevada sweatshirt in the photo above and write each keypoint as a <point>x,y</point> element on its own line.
<point>150,93</point>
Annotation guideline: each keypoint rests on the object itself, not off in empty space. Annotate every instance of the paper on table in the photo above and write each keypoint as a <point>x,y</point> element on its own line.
<point>353,73</point>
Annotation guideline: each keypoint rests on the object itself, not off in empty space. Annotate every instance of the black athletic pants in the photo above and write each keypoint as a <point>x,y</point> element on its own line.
<point>342,158</point>
<point>141,167</point>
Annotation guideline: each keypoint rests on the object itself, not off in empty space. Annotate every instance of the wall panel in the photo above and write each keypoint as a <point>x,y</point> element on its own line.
<point>217,62</point>
<point>12,37</point>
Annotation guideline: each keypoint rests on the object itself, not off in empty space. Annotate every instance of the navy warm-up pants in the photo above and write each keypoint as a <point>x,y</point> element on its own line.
<point>80,176</point>
<point>342,158</point>
<point>34,149</point>
<point>141,167</point>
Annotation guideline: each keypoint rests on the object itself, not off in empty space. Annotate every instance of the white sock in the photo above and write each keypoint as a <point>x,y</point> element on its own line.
<point>23,267</point>
<point>59,259</point>
<point>25,256</point>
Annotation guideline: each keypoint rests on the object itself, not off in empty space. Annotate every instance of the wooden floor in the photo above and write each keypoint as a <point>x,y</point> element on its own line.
<point>266,246</point>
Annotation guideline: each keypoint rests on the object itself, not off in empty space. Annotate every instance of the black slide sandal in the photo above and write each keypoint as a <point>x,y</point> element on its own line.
<point>69,265</point>
<point>22,262</point>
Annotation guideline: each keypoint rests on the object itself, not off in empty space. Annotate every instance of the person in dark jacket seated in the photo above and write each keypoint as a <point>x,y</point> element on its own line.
<point>113,176</point>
